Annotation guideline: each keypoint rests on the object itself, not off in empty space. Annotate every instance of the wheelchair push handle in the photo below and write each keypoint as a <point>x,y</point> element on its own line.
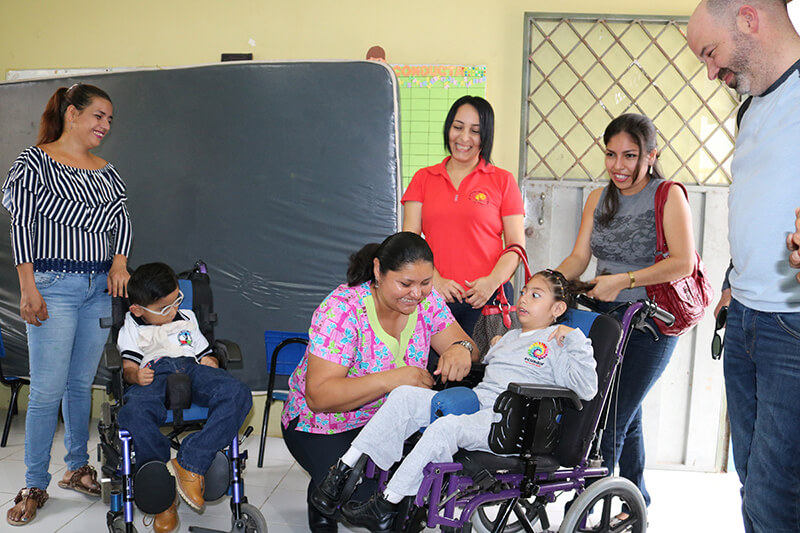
<point>659,313</point>
<point>649,308</point>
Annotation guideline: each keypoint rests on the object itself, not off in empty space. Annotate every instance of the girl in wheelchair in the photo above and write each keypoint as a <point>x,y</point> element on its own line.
<point>157,340</point>
<point>541,352</point>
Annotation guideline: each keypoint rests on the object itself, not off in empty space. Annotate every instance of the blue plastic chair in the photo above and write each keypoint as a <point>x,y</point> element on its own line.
<point>15,383</point>
<point>284,350</point>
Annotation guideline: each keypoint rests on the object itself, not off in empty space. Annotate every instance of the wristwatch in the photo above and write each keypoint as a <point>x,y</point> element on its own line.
<point>466,344</point>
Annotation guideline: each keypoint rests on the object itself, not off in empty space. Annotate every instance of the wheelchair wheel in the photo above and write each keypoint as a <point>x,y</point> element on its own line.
<point>484,517</point>
<point>254,521</point>
<point>118,526</point>
<point>603,500</point>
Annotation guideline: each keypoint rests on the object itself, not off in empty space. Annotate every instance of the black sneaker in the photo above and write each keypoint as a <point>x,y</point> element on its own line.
<point>376,514</point>
<point>335,487</point>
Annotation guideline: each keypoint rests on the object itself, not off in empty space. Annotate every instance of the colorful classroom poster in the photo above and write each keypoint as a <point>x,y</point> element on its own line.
<point>426,93</point>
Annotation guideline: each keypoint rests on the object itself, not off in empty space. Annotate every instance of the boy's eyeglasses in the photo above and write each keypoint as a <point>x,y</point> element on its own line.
<point>166,310</point>
<point>718,342</point>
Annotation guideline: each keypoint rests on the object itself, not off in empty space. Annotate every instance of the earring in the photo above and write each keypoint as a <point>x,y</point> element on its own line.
<point>650,170</point>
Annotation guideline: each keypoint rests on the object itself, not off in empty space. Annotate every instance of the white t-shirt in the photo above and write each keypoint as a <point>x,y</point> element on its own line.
<point>142,343</point>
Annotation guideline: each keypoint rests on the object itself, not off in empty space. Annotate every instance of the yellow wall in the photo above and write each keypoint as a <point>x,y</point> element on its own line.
<point>38,34</point>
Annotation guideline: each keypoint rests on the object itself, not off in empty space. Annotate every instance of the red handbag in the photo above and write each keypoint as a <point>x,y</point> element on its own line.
<point>497,319</point>
<point>686,298</point>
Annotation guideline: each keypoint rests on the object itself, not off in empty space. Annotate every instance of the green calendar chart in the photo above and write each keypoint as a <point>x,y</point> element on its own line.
<point>426,94</point>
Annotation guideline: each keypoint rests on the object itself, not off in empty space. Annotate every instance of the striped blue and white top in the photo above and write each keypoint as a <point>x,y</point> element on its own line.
<point>65,218</point>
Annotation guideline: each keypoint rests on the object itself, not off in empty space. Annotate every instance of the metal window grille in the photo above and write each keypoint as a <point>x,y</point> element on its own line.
<point>580,71</point>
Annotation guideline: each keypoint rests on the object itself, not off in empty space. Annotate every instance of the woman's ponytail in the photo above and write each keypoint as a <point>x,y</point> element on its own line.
<point>79,95</point>
<point>361,268</point>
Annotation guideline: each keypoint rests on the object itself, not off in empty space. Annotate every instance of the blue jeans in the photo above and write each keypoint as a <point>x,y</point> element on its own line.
<point>228,401</point>
<point>64,353</point>
<point>623,440</point>
<point>467,317</point>
<point>762,380</point>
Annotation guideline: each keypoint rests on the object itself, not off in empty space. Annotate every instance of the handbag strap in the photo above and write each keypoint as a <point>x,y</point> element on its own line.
<point>661,199</point>
<point>505,308</point>
<point>520,251</point>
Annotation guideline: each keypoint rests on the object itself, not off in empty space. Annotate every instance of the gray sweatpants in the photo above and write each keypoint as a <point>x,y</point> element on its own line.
<point>407,409</point>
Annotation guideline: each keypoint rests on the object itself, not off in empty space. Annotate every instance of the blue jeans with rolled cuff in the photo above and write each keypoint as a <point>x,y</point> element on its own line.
<point>63,356</point>
<point>762,381</point>
<point>228,401</point>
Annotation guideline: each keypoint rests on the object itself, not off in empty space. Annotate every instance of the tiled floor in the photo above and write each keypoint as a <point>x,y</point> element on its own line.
<point>682,501</point>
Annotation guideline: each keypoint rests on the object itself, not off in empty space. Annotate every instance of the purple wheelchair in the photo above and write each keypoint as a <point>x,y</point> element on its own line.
<point>550,444</point>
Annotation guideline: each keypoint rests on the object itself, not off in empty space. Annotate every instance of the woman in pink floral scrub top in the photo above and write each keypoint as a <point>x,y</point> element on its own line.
<point>368,337</point>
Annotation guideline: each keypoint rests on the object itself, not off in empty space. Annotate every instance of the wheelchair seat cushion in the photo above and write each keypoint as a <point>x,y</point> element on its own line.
<point>473,462</point>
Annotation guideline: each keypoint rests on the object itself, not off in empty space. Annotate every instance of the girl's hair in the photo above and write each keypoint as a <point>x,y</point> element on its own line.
<point>643,132</point>
<point>485,119</point>
<point>80,95</point>
<point>393,253</point>
<point>564,290</point>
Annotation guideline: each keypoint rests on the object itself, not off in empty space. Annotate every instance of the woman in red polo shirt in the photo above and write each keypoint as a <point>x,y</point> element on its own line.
<point>469,211</point>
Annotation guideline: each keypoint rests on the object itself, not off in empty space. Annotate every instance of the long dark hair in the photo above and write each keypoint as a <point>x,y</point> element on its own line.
<point>564,290</point>
<point>393,253</point>
<point>643,132</point>
<point>80,95</point>
<point>485,118</point>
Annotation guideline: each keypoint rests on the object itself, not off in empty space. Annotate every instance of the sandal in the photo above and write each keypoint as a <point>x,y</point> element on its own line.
<point>75,481</point>
<point>37,495</point>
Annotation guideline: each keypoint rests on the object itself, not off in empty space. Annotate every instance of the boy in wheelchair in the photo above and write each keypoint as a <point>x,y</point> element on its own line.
<point>158,340</point>
<point>541,352</point>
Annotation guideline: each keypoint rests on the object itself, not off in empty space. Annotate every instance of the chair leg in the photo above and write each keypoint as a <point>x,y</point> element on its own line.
<point>263,443</point>
<point>12,404</point>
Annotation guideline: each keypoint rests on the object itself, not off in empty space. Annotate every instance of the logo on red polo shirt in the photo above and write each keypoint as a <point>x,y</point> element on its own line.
<point>479,197</point>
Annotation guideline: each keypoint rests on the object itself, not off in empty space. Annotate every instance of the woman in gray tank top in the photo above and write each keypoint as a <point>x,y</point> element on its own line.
<point>618,228</point>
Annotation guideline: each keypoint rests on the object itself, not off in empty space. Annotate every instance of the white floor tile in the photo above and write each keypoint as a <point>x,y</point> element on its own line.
<point>684,501</point>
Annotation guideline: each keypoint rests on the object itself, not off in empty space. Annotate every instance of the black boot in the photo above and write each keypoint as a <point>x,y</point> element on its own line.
<point>319,523</point>
<point>376,514</point>
<point>328,494</point>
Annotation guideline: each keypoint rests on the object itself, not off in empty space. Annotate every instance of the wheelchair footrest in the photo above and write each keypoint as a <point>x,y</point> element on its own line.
<point>154,487</point>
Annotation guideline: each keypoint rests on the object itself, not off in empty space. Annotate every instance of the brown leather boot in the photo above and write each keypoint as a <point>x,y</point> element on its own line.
<point>190,486</point>
<point>167,521</point>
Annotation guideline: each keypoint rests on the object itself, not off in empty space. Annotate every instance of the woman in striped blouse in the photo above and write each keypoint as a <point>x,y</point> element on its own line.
<point>71,233</point>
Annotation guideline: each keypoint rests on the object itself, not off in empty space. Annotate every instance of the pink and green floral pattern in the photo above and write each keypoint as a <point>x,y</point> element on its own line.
<point>341,333</point>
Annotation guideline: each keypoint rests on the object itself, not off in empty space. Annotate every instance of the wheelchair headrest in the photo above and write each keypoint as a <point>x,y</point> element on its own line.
<point>580,319</point>
<point>185,285</point>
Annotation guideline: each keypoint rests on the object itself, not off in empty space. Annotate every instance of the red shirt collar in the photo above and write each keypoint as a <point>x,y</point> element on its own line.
<point>483,166</point>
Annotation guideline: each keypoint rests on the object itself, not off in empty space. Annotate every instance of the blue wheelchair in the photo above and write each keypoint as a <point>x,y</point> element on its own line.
<point>150,486</point>
<point>546,443</point>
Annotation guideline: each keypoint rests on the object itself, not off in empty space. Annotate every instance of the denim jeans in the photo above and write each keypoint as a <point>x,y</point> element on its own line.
<point>228,401</point>
<point>762,381</point>
<point>467,317</point>
<point>64,353</point>
<point>623,441</point>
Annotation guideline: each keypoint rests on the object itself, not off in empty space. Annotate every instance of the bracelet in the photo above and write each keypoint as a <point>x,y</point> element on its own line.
<point>633,279</point>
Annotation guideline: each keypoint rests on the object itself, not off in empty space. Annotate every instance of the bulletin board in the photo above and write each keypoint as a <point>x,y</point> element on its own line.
<point>426,93</point>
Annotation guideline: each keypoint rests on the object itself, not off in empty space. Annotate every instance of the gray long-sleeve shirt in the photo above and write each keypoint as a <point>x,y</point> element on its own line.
<point>531,358</point>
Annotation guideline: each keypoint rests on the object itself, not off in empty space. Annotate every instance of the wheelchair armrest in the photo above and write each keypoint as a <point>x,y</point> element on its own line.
<point>226,352</point>
<point>112,359</point>
<point>532,390</point>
